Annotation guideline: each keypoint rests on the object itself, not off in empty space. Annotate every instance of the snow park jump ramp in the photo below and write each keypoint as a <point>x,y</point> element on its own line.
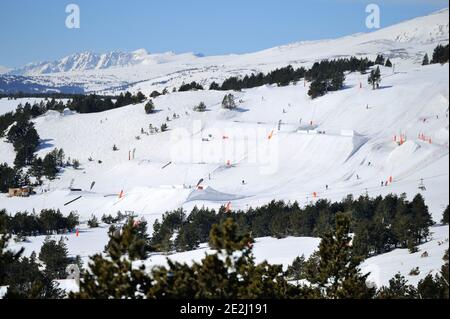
<point>209,194</point>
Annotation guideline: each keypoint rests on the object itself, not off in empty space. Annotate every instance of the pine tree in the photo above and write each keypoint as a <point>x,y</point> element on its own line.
<point>296,271</point>
<point>445,216</point>
<point>388,63</point>
<point>155,94</point>
<point>398,289</point>
<point>25,140</point>
<point>317,88</point>
<point>9,178</point>
<point>440,54</point>
<point>131,240</point>
<point>93,222</point>
<point>338,275</point>
<point>149,107</point>
<point>375,78</point>
<point>114,277</point>
<point>337,81</point>
<point>214,86</point>
<point>422,219</point>
<point>426,60</point>
<point>55,256</point>
<point>7,257</point>
<point>23,277</point>
<point>200,108</point>
<point>379,60</point>
<point>50,166</point>
<point>436,287</point>
<point>228,102</point>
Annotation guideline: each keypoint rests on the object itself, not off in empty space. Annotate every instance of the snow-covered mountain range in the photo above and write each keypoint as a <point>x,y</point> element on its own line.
<point>86,61</point>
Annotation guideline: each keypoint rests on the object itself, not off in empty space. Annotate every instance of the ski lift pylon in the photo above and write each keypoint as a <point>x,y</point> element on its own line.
<point>422,185</point>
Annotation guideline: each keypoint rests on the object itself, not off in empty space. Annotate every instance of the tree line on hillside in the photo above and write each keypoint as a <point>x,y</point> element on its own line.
<point>440,55</point>
<point>46,96</point>
<point>380,224</point>
<point>79,103</point>
<point>229,272</point>
<point>325,76</point>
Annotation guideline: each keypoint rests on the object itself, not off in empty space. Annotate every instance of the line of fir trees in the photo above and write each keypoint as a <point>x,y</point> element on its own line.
<point>440,55</point>
<point>230,272</point>
<point>48,222</point>
<point>46,96</point>
<point>325,75</point>
<point>193,86</point>
<point>79,103</point>
<point>380,224</point>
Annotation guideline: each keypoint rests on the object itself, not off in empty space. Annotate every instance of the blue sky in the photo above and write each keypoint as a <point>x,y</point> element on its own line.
<point>33,30</point>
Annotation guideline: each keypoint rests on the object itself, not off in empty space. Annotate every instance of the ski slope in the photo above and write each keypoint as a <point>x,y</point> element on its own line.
<point>295,163</point>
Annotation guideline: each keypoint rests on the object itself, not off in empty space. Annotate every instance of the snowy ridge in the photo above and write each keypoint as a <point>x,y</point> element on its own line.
<point>91,61</point>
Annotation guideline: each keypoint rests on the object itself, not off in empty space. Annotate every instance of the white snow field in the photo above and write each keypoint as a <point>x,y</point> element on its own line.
<point>344,139</point>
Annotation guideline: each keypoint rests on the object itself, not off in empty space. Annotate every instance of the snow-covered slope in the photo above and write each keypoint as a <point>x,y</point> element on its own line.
<point>344,140</point>
<point>291,166</point>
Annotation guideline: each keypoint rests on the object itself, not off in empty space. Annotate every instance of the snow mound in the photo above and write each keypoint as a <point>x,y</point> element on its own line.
<point>403,152</point>
<point>211,195</point>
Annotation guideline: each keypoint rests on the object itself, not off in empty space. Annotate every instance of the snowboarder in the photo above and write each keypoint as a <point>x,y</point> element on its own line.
<point>357,177</point>
<point>243,182</point>
<point>382,184</point>
<point>326,187</point>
